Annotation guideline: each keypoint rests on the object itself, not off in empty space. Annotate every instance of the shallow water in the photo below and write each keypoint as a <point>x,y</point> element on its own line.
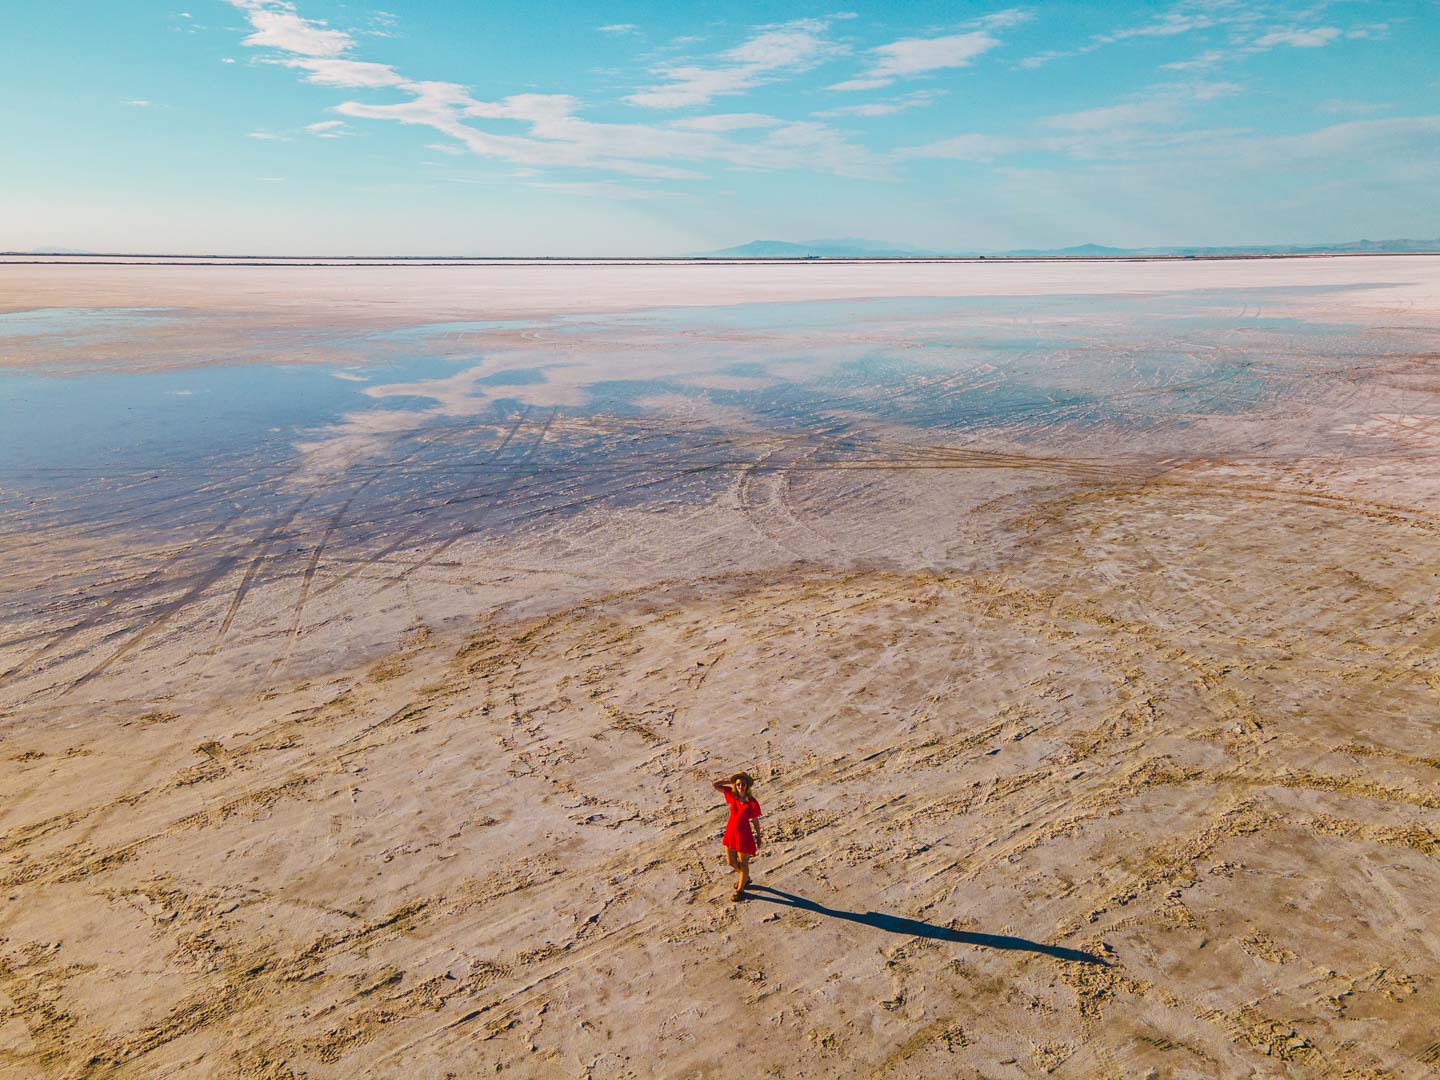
<point>464,428</point>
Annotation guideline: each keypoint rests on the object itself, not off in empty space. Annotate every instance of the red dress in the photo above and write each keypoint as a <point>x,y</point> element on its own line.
<point>738,834</point>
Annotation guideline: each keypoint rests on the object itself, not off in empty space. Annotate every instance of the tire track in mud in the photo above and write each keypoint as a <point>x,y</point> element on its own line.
<point>247,581</point>
<point>60,637</point>
<point>158,618</point>
<point>292,633</point>
<point>406,535</point>
<point>899,456</point>
<point>1240,491</point>
<point>758,512</point>
<point>471,527</point>
<point>104,523</point>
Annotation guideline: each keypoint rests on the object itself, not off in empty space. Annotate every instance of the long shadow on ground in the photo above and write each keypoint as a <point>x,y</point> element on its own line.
<point>897,924</point>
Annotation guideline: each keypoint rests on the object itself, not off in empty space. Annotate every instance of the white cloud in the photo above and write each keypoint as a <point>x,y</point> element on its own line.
<point>337,71</point>
<point>727,122</point>
<point>1399,138</point>
<point>138,103</point>
<point>1203,62</point>
<point>227,60</point>
<point>600,189</point>
<point>916,56</point>
<point>1112,117</point>
<point>556,137</point>
<point>1113,132</point>
<point>1245,23</point>
<point>618,28</point>
<point>278,25</point>
<point>1185,18</point>
<point>329,129</point>
<point>1168,25</point>
<point>264,136</point>
<point>915,100</point>
<point>693,85</point>
<point>1313,38</point>
<point>1369,32</point>
<point>1342,107</point>
<point>1401,146</point>
<point>1289,37</point>
<point>1003,20</point>
<point>785,48</point>
<point>974,147</point>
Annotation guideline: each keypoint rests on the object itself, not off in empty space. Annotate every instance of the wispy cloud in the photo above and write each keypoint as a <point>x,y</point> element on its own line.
<point>329,129</point>
<point>278,25</point>
<point>1002,20</point>
<point>916,99</point>
<point>1186,18</point>
<point>556,136</point>
<point>1341,107</point>
<point>1404,148</point>
<point>138,103</point>
<point>727,122</point>
<point>1292,37</point>
<point>1300,38</point>
<point>909,57</point>
<point>1369,32</point>
<point>601,189</point>
<point>784,48</point>
<point>1251,27</point>
<point>349,74</point>
<point>1137,125</point>
<point>618,28</point>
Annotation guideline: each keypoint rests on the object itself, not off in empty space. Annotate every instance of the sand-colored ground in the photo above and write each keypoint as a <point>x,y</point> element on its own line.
<point>1120,761</point>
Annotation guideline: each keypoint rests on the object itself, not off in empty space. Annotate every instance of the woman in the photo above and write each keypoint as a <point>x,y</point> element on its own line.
<point>739,840</point>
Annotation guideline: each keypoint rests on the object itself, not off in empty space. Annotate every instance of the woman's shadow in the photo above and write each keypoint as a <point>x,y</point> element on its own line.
<point>897,924</point>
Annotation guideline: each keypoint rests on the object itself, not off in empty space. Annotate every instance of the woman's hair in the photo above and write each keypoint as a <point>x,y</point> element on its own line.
<point>743,782</point>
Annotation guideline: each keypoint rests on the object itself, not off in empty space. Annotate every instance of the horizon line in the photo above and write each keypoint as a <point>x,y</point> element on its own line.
<point>45,258</point>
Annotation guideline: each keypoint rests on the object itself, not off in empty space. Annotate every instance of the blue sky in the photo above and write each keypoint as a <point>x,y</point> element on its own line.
<point>514,127</point>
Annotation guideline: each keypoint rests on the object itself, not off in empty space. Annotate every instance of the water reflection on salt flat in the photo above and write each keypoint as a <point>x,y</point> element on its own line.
<point>482,427</point>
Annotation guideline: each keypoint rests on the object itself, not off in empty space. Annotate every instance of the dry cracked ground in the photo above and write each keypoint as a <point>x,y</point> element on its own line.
<point>1088,747</point>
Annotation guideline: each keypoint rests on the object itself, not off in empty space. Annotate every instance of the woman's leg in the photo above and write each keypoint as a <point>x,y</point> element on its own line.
<point>744,872</point>
<point>732,858</point>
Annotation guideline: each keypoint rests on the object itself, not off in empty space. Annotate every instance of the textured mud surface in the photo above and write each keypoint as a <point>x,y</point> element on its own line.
<point>1086,652</point>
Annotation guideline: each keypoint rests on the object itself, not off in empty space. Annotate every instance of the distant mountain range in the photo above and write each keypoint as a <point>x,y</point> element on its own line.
<point>864,249</point>
<point>822,249</point>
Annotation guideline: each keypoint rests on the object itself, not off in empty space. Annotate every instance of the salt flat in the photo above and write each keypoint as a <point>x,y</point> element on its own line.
<point>368,636</point>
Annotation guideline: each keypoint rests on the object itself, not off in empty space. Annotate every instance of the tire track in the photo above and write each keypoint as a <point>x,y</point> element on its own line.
<point>292,634</point>
<point>252,571</point>
<point>157,620</point>
<point>404,537</point>
<point>96,618</point>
